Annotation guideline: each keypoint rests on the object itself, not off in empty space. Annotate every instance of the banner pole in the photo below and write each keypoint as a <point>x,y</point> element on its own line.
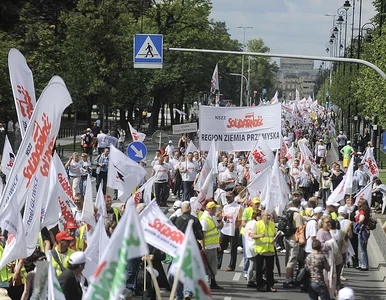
<point>156,287</point>
<point>175,282</point>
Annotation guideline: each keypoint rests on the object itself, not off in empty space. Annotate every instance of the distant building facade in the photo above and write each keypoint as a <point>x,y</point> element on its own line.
<point>296,74</point>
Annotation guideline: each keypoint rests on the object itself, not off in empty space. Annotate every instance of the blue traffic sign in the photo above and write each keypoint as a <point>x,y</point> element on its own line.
<point>148,51</point>
<point>384,142</point>
<point>136,151</point>
<point>264,91</point>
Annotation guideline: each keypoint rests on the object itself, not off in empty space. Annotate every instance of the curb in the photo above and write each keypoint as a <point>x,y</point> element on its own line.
<point>376,256</point>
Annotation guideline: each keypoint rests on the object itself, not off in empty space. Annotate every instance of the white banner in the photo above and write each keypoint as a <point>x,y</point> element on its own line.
<point>35,151</point>
<point>159,231</point>
<point>239,128</point>
<point>22,87</point>
<point>184,128</point>
<point>8,158</point>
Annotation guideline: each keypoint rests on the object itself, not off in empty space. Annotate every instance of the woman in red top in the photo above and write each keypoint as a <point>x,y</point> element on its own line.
<point>362,219</point>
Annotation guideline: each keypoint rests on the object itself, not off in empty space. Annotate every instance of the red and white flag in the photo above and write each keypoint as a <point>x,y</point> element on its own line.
<point>261,156</point>
<point>159,231</point>
<point>206,193</point>
<point>8,157</point>
<point>349,176</point>
<point>366,193</point>
<point>370,165</point>
<point>147,189</point>
<point>136,135</point>
<point>22,87</point>
<point>214,83</point>
<point>275,98</point>
<point>283,148</point>
<point>259,183</point>
<point>209,167</point>
<point>290,155</point>
<point>338,193</point>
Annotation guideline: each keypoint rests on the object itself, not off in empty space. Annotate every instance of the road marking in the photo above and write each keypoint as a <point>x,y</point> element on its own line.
<point>241,265</point>
<point>236,277</point>
<point>227,298</point>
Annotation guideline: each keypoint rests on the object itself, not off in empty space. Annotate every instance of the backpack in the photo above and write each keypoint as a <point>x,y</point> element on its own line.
<point>300,235</point>
<point>372,224</point>
<point>87,139</point>
<point>286,223</point>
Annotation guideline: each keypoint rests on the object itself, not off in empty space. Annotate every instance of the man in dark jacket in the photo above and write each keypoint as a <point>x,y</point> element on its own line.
<point>72,280</point>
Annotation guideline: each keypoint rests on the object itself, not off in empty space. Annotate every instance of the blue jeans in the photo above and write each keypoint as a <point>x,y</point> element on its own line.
<point>363,238</point>
<point>246,260</point>
<point>188,190</point>
<point>181,293</point>
<point>131,272</point>
<point>316,290</point>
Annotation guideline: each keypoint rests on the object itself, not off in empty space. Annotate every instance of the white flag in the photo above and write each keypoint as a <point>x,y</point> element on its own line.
<point>297,95</point>
<point>338,193</point>
<point>291,155</point>
<point>206,193</point>
<point>96,243</point>
<point>124,174</point>
<point>51,206</point>
<point>36,147</point>
<point>127,242</point>
<point>54,290</point>
<point>258,184</point>
<point>191,148</point>
<point>261,156</point>
<point>100,203</point>
<point>276,193</point>
<point>8,157</point>
<point>210,163</point>
<point>88,206</point>
<point>275,98</point>
<point>136,135</point>
<point>189,266</point>
<point>159,231</point>
<point>10,220</point>
<point>370,165</point>
<point>366,192</point>
<point>22,87</point>
<point>147,189</point>
<point>214,83</point>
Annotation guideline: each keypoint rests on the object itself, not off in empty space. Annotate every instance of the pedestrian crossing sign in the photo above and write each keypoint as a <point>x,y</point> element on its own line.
<point>148,51</point>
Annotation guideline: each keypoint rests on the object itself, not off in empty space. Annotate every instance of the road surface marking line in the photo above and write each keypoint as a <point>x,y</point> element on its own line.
<point>236,277</point>
<point>241,263</point>
<point>227,298</point>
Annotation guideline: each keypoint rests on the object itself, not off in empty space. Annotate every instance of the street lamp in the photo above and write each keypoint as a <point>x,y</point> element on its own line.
<point>242,65</point>
<point>347,5</point>
<point>242,77</point>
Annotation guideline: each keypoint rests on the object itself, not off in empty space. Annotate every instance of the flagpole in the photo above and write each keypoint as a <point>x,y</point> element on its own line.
<point>156,287</point>
<point>175,282</point>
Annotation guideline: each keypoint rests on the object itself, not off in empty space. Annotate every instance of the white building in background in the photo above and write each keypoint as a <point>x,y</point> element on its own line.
<point>296,74</point>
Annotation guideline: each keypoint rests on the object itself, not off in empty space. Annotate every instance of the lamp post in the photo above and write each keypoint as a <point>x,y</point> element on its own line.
<point>242,65</point>
<point>242,77</point>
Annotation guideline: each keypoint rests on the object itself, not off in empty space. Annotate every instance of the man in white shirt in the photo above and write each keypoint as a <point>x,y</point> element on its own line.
<point>229,177</point>
<point>188,172</point>
<point>102,141</point>
<point>241,167</point>
<point>169,150</point>
<point>161,174</point>
<point>232,217</point>
<point>361,177</point>
<point>312,228</point>
<point>156,157</point>
<point>219,195</point>
<point>222,166</point>
<point>320,151</point>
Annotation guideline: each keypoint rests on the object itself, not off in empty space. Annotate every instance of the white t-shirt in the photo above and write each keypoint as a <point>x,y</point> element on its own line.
<point>226,175</point>
<point>231,211</point>
<point>311,230</point>
<point>161,173</point>
<point>321,151</point>
<point>240,173</point>
<point>192,168</point>
<point>249,243</point>
<point>204,225</point>
<point>220,197</point>
<point>221,167</point>
<point>102,140</point>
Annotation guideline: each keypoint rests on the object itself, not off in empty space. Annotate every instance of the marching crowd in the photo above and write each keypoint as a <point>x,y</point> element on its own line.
<point>320,237</point>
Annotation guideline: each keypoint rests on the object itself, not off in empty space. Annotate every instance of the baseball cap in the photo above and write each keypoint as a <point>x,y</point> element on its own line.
<point>88,129</point>
<point>346,294</point>
<point>170,142</point>
<point>256,200</point>
<point>212,204</point>
<point>177,204</point>
<point>318,210</point>
<point>342,210</point>
<point>63,236</point>
<point>348,142</point>
<point>77,258</point>
<point>332,203</point>
<point>71,225</point>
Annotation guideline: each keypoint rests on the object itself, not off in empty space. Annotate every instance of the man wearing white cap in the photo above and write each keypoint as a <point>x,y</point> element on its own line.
<point>169,150</point>
<point>331,209</point>
<point>72,280</point>
<point>312,228</point>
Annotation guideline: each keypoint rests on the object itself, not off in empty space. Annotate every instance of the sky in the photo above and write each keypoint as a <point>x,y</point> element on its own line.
<point>286,26</point>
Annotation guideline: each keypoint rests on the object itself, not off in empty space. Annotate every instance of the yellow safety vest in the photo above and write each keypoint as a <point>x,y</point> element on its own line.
<point>80,241</point>
<point>249,211</point>
<point>265,244</point>
<point>64,263</point>
<point>334,216</point>
<point>116,213</point>
<point>200,214</point>
<point>5,274</point>
<point>40,242</point>
<point>211,235</point>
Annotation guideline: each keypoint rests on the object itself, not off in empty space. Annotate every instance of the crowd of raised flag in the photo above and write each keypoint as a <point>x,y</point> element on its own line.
<point>62,242</point>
